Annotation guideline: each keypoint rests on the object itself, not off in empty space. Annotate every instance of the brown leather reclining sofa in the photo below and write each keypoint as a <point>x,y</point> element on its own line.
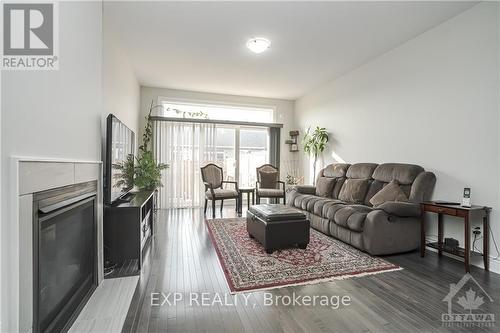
<point>340,205</point>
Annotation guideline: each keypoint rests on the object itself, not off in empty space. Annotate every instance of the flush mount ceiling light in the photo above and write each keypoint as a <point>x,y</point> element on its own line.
<point>258,44</point>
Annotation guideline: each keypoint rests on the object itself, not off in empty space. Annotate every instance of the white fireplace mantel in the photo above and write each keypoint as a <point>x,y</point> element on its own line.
<point>31,175</point>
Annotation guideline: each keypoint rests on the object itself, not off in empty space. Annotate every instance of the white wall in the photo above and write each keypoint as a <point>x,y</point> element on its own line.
<point>51,114</point>
<point>121,90</point>
<point>284,111</point>
<point>433,101</point>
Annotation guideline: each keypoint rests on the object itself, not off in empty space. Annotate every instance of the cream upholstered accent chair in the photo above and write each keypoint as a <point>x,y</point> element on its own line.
<point>268,184</point>
<point>213,179</point>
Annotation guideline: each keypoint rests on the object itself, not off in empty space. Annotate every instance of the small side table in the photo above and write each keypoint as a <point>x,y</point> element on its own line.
<point>467,214</point>
<point>250,192</point>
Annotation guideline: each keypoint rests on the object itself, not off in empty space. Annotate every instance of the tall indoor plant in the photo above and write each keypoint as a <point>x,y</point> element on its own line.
<point>147,170</point>
<point>314,144</point>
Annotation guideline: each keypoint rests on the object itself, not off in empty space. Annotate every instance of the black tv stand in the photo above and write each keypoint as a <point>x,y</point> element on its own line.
<point>129,226</point>
<point>124,199</point>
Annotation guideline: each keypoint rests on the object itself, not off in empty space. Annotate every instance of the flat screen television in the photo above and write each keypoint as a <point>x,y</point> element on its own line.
<point>120,142</point>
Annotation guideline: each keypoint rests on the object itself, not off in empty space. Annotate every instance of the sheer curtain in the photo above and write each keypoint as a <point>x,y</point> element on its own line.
<point>185,147</point>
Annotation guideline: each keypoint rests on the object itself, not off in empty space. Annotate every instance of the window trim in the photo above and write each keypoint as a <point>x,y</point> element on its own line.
<point>214,121</point>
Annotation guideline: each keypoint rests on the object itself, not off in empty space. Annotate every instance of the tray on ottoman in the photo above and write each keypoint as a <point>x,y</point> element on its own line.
<point>277,226</point>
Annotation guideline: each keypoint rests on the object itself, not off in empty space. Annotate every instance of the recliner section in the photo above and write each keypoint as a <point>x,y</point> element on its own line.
<point>392,227</point>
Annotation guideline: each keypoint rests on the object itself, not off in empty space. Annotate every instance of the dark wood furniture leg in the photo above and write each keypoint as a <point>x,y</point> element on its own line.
<point>205,211</point>
<point>248,199</point>
<point>221,205</point>
<point>440,234</point>
<point>422,234</point>
<point>240,202</point>
<point>467,243</point>
<point>213,209</point>
<point>486,240</point>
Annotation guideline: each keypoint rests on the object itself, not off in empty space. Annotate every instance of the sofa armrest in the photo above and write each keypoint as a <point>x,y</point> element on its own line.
<point>305,189</point>
<point>402,209</point>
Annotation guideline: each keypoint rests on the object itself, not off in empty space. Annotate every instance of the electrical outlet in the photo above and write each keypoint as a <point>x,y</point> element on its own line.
<point>476,231</point>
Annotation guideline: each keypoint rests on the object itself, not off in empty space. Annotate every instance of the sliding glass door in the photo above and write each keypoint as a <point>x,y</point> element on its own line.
<point>225,147</point>
<point>240,150</point>
<point>253,152</point>
<point>186,147</point>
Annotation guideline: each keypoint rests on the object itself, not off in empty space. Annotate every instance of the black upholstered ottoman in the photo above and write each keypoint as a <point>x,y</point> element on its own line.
<point>278,226</point>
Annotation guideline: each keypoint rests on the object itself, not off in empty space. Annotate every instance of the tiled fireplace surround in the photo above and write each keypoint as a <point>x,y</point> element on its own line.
<point>34,175</point>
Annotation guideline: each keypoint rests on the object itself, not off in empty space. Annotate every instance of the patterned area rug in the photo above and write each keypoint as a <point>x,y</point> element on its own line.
<point>248,267</point>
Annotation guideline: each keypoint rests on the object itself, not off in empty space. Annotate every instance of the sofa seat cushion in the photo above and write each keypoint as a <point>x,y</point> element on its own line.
<point>319,206</point>
<point>300,198</point>
<point>330,208</point>
<point>311,202</point>
<point>269,192</point>
<point>352,217</point>
<point>222,194</point>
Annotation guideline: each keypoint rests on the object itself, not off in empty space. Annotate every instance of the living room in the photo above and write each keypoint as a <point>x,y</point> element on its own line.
<point>250,166</point>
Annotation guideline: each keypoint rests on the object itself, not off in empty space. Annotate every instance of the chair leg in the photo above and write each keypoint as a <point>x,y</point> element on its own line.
<point>257,200</point>
<point>213,209</point>
<point>205,211</point>
<point>221,205</point>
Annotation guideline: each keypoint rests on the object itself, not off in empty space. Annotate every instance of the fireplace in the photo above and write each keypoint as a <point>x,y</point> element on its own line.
<point>64,254</point>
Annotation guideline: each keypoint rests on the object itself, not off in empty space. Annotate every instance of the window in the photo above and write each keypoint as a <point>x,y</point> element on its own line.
<point>239,147</point>
<point>174,109</point>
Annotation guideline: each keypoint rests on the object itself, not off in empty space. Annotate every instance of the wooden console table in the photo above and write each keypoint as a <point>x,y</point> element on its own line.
<point>467,214</point>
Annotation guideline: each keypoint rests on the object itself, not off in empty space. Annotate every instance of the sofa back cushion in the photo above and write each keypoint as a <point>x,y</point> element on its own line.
<point>337,171</point>
<point>391,192</point>
<point>354,190</point>
<point>378,176</point>
<point>358,171</point>
<point>361,170</point>
<point>324,186</point>
<point>403,174</point>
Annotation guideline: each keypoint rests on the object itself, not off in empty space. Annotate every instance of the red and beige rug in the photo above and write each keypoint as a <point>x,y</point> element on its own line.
<point>248,267</point>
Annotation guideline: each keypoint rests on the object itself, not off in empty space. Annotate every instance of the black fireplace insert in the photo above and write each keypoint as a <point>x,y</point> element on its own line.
<point>64,254</point>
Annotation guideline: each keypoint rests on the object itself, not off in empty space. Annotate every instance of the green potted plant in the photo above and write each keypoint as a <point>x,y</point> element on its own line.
<point>147,171</point>
<point>314,144</point>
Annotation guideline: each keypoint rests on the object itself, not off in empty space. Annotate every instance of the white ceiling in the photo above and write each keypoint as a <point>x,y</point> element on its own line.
<point>200,46</point>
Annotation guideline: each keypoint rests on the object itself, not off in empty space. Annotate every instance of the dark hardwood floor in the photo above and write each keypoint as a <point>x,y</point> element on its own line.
<point>182,259</point>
